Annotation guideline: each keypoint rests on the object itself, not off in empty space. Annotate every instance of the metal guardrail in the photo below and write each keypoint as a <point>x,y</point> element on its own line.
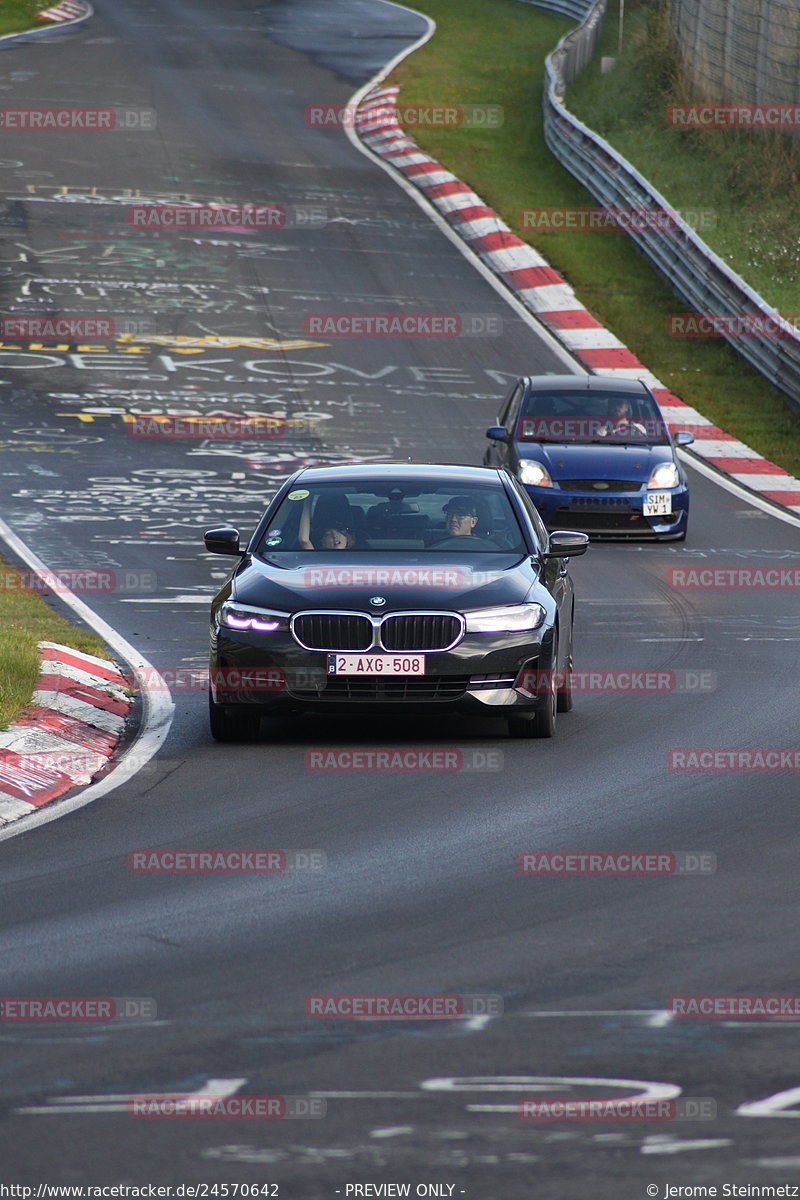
<point>568,8</point>
<point>691,267</point>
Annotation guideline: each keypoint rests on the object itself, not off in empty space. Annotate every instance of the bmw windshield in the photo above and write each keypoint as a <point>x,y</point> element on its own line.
<point>394,516</point>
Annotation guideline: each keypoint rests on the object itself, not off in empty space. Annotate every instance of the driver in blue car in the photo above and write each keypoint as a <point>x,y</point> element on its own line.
<point>621,422</point>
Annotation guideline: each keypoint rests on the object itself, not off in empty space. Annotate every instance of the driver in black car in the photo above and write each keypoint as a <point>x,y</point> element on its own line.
<point>461,518</point>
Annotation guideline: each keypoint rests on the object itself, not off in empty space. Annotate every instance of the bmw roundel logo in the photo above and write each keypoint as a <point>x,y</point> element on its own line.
<point>378,601</point>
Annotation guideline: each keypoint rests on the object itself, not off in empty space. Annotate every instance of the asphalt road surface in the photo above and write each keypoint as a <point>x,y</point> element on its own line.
<point>420,891</point>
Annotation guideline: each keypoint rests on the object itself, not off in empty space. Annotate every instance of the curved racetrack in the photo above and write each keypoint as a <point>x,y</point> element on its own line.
<point>421,891</point>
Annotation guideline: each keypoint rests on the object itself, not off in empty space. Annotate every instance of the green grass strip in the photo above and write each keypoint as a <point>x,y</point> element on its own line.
<point>26,620</point>
<point>18,15</point>
<point>740,189</point>
<point>492,52</point>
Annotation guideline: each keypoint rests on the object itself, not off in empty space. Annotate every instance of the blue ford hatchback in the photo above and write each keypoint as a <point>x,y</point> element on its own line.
<point>594,453</point>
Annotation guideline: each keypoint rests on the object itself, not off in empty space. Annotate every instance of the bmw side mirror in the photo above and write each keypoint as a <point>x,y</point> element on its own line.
<point>564,543</point>
<point>223,541</point>
<point>684,438</point>
<point>497,433</point>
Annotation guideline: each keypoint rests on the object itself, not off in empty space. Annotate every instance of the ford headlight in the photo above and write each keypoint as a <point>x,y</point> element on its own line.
<point>665,475</point>
<point>533,473</point>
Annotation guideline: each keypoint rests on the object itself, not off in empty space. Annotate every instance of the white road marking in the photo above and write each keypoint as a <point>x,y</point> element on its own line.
<point>392,1131</point>
<point>221,1088</point>
<point>665,1144</point>
<point>367,1095</point>
<point>643,1089</point>
<point>476,1024</point>
<point>736,489</point>
<point>772,1106</point>
<point>204,600</point>
<point>594,1012</point>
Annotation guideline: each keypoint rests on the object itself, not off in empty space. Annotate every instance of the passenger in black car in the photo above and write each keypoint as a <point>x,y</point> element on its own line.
<point>337,536</point>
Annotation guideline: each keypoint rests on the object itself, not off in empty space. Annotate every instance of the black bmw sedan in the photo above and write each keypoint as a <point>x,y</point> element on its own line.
<point>395,588</point>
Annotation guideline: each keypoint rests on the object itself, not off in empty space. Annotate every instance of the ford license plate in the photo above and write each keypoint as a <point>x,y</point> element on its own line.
<point>657,504</point>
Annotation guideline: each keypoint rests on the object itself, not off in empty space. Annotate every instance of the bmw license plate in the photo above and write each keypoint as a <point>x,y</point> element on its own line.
<point>376,664</point>
<point>657,504</point>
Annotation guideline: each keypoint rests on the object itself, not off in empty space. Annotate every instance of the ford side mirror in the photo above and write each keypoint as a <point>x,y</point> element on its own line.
<point>497,433</point>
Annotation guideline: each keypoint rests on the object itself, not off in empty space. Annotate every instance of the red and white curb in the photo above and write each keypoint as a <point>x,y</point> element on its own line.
<point>67,10</point>
<point>544,293</point>
<point>67,736</point>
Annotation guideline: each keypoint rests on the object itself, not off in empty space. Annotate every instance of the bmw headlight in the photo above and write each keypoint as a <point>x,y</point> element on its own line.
<point>665,475</point>
<point>513,618</point>
<point>245,616</point>
<point>533,473</point>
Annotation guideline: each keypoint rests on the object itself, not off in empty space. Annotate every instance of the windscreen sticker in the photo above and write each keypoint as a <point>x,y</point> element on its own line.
<point>299,494</point>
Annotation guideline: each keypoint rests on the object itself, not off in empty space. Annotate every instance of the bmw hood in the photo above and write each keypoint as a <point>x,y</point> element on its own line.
<point>339,581</point>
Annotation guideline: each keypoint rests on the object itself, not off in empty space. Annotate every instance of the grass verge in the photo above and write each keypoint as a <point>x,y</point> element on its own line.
<point>740,189</point>
<point>492,52</point>
<point>26,620</point>
<point>19,15</point>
